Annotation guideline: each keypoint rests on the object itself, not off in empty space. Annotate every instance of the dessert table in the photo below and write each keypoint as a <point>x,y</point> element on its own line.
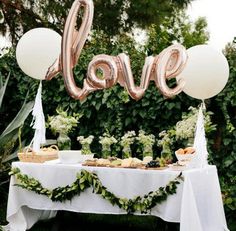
<point>197,205</point>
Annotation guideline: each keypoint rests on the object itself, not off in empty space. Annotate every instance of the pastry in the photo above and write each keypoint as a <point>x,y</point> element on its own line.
<point>189,150</point>
<point>135,162</point>
<point>126,163</point>
<point>103,162</point>
<point>116,163</point>
<point>92,162</point>
<point>146,159</point>
<point>180,151</point>
<point>112,158</point>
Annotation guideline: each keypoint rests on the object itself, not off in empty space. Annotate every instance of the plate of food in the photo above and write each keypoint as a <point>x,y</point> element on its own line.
<point>178,166</point>
<point>185,154</point>
<point>154,165</point>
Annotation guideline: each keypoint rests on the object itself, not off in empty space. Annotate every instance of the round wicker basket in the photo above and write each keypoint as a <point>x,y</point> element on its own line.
<point>45,154</point>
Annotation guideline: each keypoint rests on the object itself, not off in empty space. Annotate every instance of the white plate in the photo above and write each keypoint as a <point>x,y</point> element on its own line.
<point>176,167</point>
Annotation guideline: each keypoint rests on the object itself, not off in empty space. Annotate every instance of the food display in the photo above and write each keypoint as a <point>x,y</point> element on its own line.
<point>153,164</point>
<point>147,159</point>
<point>185,154</point>
<point>188,150</point>
<point>126,163</point>
<point>178,166</point>
<point>114,162</point>
<point>131,163</point>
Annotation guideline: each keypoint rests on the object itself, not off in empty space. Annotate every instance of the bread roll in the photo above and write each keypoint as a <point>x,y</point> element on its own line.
<point>180,151</point>
<point>189,150</point>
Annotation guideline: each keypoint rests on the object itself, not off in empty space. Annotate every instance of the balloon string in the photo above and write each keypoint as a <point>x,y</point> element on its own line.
<point>203,105</point>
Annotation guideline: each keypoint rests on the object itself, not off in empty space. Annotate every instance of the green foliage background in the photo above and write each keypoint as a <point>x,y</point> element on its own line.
<point>112,16</point>
<point>115,111</point>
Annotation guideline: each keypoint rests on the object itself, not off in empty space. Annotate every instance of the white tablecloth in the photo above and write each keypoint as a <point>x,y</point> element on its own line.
<point>197,205</point>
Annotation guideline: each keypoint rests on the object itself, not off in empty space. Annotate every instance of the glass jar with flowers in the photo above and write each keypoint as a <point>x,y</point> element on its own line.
<point>165,142</point>
<point>85,143</point>
<point>126,140</point>
<point>106,141</point>
<point>147,142</point>
<point>62,124</point>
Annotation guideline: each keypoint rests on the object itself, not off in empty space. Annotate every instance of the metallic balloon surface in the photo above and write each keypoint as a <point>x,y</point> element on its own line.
<point>105,71</point>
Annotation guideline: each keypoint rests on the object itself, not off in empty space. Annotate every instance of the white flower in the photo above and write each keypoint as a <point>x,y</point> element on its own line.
<point>62,123</point>
<point>107,140</point>
<point>185,128</point>
<point>87,140</point>
<point>165,138</point>
<point>128,138</point>
<point>146,140</point>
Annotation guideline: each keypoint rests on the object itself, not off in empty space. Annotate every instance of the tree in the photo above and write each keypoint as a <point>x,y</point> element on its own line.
<point>112,16</point>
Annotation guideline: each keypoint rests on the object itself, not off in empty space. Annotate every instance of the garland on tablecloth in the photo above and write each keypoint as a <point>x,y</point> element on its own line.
<point>86,179</point>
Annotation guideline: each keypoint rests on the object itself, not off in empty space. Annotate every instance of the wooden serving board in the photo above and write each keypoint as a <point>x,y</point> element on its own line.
<point>157,168</point>
<point>138,167</point>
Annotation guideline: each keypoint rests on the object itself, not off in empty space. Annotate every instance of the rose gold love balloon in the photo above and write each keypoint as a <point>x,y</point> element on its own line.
<point>167,65</point>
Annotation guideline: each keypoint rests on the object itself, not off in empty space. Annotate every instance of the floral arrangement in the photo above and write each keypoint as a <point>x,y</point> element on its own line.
<point>165,142</point>
<point>147,142</point>
<point>85,142</point>
<point>106,141</point>
<point>62,122</point>
<point>126,140</point>
<point>185,129</point>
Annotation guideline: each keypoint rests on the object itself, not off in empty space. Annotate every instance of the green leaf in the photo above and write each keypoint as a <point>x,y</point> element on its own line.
<point>82,186</point>
<point>12,128</point>
<point>3,89</point>
<point>82,180</point>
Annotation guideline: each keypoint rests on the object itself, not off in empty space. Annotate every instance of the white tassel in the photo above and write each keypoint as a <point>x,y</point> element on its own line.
<point>38,121</point>
<point>200,143</point>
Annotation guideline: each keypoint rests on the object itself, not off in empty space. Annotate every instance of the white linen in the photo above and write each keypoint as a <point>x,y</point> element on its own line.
<point>197,204</point>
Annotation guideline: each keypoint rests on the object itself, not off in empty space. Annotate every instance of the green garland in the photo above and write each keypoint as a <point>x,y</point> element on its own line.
<point>86,179</point>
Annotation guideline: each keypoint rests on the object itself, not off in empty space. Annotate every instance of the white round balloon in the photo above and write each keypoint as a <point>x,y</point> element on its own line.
<point>206,72</point>
<point>37,50</point>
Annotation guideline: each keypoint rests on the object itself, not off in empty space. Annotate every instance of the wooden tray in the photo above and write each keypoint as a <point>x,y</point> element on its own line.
<point>138,167</point>
<point>157,168</point>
